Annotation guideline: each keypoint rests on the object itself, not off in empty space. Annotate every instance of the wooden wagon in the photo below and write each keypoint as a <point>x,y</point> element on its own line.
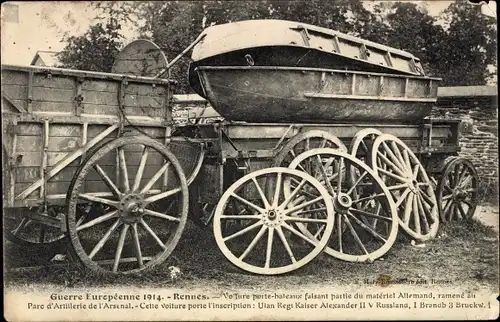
<point>83,147</point>
<point>96,160</point>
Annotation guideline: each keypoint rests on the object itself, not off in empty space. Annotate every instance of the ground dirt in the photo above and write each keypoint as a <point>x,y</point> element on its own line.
<point>465,253</point>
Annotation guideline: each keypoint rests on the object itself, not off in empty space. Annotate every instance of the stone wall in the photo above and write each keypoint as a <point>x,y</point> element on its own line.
<point>478,134</point>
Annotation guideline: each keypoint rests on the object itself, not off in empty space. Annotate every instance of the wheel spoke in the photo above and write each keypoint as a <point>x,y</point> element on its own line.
<point>140,170</point>
<point>427,199</point>
<point>21,225</point>
<point>461,211</point>
<point>155,178</point>
<point>444,198</point>
<point>392,175</point>
<point>305,204</point>
<point>160,215</point>
<point>299,234</point>
<point>416,215</point>
<point>356,183</point>
<point>107,180</point>
<point>269,249</point>
<point>447,207</point>
<point>89,197</point>
<point>325,176</point>
<point>285,244</point>
<point>355,235</point>
<point>369,197</point>
<point>465,182</point>
<point>98,220</point>
<point>119,247</point>
<point>400,157</point>
<point>160,196</point>
<point>365,147</point>
<point>408,209</point>
<point>248,203</point>
<point>391,154</point>
<point>277,189</point>
<point>293,194</point>
<point>309,211</point>
<point>368,229</point>
<point>407,159</point>
<point>123,167</point>
<point>415,171</point>
<point>137,245</point>
<point>243,231</point>
<point>453,211</point>
<point>240,217</point>
<point>320,230</point>
<point>339,233</point>
<point>152,233</point>
<point>261,193</point>
<point>254,242</point>
<point>339,181</point>
<point>104,239</point>
<point>402,197</point>
<point>369,214</point>
<point>301,219</point>
<point>425,212</point>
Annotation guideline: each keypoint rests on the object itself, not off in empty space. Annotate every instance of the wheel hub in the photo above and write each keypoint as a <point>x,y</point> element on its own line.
<point>413,185</point>
<point>273,218</point>
<point>131,208</point>
<point>342,202</point>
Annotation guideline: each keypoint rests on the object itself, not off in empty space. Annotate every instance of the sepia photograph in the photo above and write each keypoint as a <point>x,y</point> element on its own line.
<point>250,160</point>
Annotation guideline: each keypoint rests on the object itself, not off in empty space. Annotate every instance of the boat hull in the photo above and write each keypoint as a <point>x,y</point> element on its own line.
<point>309,95</point>
<point>291,56</point>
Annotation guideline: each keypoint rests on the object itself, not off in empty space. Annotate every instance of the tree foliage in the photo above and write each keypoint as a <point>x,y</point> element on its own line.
<point>458,50</point>
<point>95,50</point>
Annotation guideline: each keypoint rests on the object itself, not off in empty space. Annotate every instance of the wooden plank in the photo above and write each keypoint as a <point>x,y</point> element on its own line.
<point>27,174</point>
<point>14,78</point>
<point>132,88</point>
<point>30,159</point>
<point>156,102</point>
<point>29,143</point>
<point>57,130</point>
<point>417,88</point>
<point>54,82</point>
<point>367,85</point>
<point>56,144</point>
<point>30,91</point>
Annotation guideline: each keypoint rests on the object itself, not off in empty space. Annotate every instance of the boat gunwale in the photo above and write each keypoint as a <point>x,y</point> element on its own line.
<point>312,69</point>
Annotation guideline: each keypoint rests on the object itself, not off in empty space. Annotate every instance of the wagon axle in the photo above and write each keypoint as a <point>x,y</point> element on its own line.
<point>342,202</point>
<point>131,208</point>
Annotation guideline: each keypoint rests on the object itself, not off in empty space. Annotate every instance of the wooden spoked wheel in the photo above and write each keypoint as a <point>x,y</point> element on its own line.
<point>27,227</point>
<point>362,143</point>
<point>457,191</point>
<point>140,195</point>
<point>356,199</point>
<point>409,185</point>
<point>305,141</point>
<point>260,241</point>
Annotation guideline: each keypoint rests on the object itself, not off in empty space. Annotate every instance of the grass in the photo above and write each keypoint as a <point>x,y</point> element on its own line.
<point>464,252</point>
